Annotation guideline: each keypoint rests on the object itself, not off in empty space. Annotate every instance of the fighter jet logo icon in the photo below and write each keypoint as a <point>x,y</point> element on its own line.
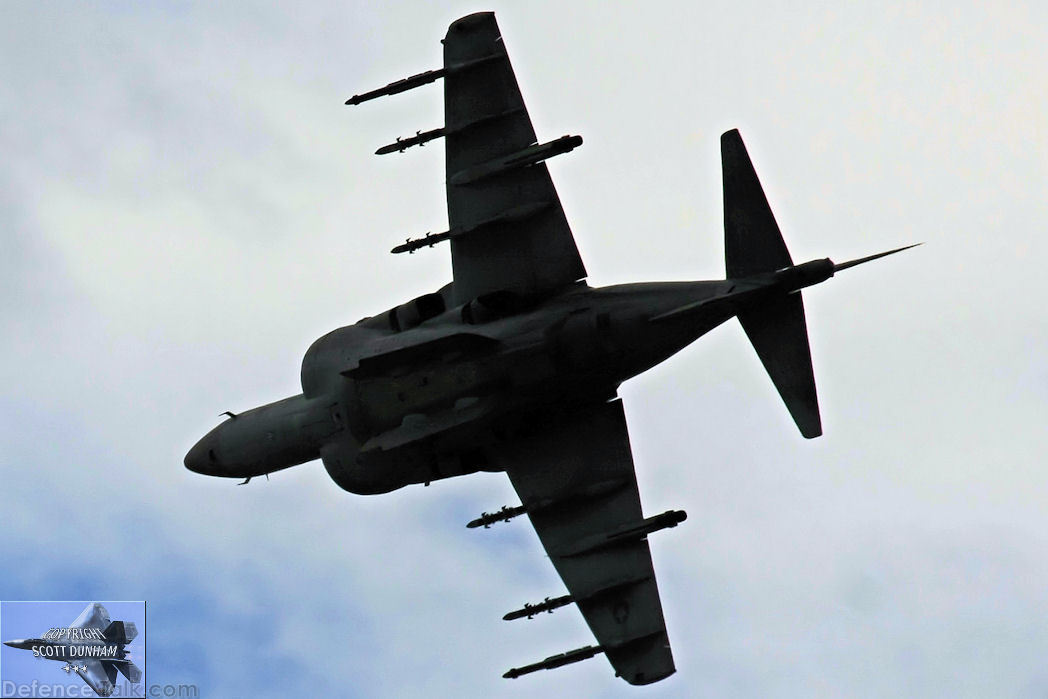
<point>93,646</point>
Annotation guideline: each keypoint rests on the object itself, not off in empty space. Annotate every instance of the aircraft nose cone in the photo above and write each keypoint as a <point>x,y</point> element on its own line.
<point>202,457</point>
<point>17,643</point>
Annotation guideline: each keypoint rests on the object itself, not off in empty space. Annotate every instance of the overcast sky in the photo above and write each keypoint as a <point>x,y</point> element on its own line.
<point>186,204</point>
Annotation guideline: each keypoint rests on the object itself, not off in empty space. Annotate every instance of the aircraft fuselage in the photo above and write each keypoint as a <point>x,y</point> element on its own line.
<point>386,407</point>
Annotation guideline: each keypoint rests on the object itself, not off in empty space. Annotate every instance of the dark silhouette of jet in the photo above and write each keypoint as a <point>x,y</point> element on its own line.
<point>515,365</point>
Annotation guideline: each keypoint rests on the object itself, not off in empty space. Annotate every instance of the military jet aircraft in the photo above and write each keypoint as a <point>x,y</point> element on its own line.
<point>514,366</point>
<point>92,646</point>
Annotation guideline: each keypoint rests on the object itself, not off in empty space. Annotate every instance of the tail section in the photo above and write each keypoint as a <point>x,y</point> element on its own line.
<point>121,632</point>
<point>110,670</point>
<point>779,334</point>
<point>129,670</point>
<point>776,327</point>
<point>752,241</point>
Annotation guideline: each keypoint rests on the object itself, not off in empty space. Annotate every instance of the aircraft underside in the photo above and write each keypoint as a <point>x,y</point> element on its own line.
<point>515,364</point>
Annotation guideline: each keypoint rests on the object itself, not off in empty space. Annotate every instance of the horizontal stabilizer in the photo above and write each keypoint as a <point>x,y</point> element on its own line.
<point>130,671</point>
<point>779,335</point>
<point>753,246</point>
<point>110,670</point>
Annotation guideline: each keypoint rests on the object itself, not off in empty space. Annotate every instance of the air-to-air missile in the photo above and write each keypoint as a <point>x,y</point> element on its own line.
<point>419,139</point>
<point>547,605</point>
<point>629,532</point>
<point>515,214</point>
<point>486,519</point>
<point>409,83</point>
<point>419,79</point>
<point>522,158</point>
<point>559,660</point>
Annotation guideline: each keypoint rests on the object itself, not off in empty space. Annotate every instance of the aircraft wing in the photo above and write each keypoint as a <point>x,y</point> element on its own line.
<point>575,478</point>
<point>506,225</point>
<point>94,616</point>
<point>99,675</point>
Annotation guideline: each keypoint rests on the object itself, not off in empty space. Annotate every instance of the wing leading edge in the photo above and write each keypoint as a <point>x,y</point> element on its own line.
<point>507,229</point>
<point>575,477</point>
<point>513,234</point>
<point>94,616</point>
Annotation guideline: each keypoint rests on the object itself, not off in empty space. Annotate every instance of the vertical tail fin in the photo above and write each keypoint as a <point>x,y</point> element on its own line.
<point>752,241</point>
<point>121,632</point>
<point>776,327</point>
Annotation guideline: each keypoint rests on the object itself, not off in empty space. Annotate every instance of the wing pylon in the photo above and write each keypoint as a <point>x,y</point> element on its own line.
<point>506,226</point>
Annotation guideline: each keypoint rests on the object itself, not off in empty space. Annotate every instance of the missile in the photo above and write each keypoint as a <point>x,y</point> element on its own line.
<point>419,139</point>
<point>535,154</point>
<point>423,78</point>
<point>427,241</point>
<point>517,214</point>
<point>486,519</point>
<point>522,158</point>
<point>547,605</point>
<point>559,660</point>
<point>629,532</point>
<point>395,87</point>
